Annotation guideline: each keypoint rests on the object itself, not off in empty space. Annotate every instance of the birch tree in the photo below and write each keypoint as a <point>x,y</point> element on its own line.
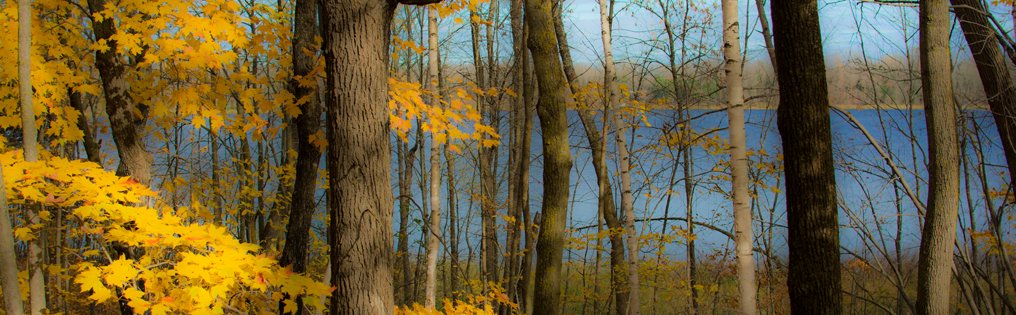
<point>610,81</point>
<point>738,160</point>
<point>434,231</point>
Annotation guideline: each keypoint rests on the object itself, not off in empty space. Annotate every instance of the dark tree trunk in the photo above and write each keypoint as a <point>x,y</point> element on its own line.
<point>994,73</point>
<point>803,120</point>
<point>605,202</point>
<point>551,108</point>
<point>301,211</point>
<point>125,126</point>
<point>88,140</point>
<point>357,37</point>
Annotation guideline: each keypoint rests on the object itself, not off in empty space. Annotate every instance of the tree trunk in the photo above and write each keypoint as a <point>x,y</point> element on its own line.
<point>434,232</point>
<point>88,140</point>
<point>488,197</point>
<point>738,161</point>
<point>36,280</point>
<point>301,211</point>
<point>991,65</point>
<point>605,201</point>
<point>803,120</point>
<point>357,37</point>
<point>125,126</point>
<point>767,35</point>
<point>406,166</point>
<point>557,155</point>
<point>627,208</point>
<point>13,304</point>
<point>935,262</point>
<point>453,243</point>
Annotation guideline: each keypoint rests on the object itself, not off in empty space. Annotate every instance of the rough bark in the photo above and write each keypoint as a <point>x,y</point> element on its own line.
<point>935,261</point>
<point>125,127</point>
<point>803,120</point>
<point>557,155</point>
<point>434,231</point>
<point>357,37</point>
<point>605,201</point>
<point>301,210</point>
<point>738,161</point>
<point>995,78</point>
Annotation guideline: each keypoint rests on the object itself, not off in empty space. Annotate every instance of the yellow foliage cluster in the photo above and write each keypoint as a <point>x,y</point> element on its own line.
<point>473,305</point>
<point>186,267</point>
<point>406,105</point>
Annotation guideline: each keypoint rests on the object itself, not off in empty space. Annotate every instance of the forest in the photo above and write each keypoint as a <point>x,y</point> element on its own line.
<point>507,157</point>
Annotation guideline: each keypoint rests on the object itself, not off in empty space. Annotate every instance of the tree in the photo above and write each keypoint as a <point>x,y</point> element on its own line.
<point>557,157</point>
<point>434,230</point>
<point>614,106</point>
<point>743,236</point>
<point>605,200</point>
<point>13,304</point>
<point>994,74</point>
<point>938,237</point>
<point>357,36</point>
<point>36,280</point>
<point>303,86</point>
<point>803,121</point>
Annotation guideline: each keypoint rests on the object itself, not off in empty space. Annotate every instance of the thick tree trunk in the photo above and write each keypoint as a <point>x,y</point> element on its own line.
<point>605,201</point>
<point>357,37</point>
<point>557,155</point>
<point>301,211</point>
<point>995,77</point>
<point>738,161</point>
<point>627,208</point>
<point>803,119</point>
<point>434,231</point>
<point>125,126</point>
<point>935,262</point>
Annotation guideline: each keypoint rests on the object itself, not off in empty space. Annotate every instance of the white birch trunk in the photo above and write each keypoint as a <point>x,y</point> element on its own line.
<point>430,291</point>
<point>738,161</point>
<point>622,147</point>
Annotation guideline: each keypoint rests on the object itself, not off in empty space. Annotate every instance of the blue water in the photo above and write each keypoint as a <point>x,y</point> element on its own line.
<point>865,193</point>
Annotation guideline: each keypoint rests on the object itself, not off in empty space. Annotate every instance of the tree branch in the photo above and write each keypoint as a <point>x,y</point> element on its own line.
<point>418,2</point>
